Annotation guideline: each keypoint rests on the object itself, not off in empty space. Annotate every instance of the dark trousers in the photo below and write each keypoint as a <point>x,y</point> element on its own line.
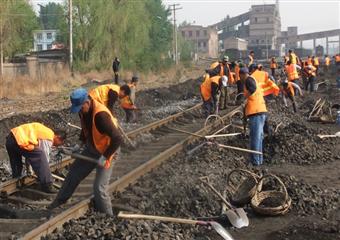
<point>223,98</point>
<point>292,98</point>
<point>310,83</point>
<point>116,77</point>
<point>240,95</point>
<point>207,107</point>
<point>273,72</point>
<point>36,158</point>
<point>130,115</point>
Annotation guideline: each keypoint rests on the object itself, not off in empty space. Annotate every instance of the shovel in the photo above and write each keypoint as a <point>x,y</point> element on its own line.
<point>237,216</point>
<point>216,226</point>
<point>337,134</point>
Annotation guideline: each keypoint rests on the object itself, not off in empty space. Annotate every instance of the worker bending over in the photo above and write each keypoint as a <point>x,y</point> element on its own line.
<point>34,141</point>
<point>288,91</point>
<point>222,69</point>
<point>291,70</point>
<point>108,94</point>
<point>102,140</point>
<point>127,102</point>
<point>255,110</point>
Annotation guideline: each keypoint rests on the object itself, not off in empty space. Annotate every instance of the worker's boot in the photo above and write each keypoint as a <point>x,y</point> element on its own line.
<point>48,188</point>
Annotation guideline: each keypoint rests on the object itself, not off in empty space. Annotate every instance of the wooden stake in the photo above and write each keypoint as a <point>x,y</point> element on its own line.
<point>238,149</point>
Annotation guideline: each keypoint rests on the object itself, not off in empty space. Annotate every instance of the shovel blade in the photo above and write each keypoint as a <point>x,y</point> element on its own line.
<point>221,231</point>
<point>238,218</point>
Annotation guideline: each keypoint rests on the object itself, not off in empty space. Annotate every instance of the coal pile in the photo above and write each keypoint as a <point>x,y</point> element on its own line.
<point>309,199</point>
<point>299,144</point>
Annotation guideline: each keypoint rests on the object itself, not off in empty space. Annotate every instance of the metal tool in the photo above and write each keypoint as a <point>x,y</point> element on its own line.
<point>216,226</point>
<point>337,134</point>
<point>237,216</point>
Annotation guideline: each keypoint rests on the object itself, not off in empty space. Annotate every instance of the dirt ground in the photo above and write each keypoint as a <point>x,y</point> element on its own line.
<point>308,166</point>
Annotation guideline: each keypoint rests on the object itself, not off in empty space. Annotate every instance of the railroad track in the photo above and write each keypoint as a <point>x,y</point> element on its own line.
<point>163,143</point>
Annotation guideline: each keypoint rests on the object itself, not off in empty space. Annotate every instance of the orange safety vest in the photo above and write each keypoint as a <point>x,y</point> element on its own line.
<point>292,58</point>
<point>337,58</point>
<point>309,61</point>
<point>101,141</point>
<point>230,75</point>
<point>316,61</point>
<point>268,87</point>
<point>292,72</point>
<point>255,102</point>
<point>327,61</point>
<point>273,64</point>
<point>206,88</point>
<point>100,94</point>
<point>289,89</point>
<point>237,73</point>
<point>28,135</point>
<point>311,72</point>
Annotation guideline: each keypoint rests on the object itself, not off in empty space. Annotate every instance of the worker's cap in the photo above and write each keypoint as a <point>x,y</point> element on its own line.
<point>78,97</point>
<point>244,70</point>
<point>225,58</point>
<point>253,67</point>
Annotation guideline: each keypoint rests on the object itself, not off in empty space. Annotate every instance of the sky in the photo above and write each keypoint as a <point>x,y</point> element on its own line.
<point>308,15</point>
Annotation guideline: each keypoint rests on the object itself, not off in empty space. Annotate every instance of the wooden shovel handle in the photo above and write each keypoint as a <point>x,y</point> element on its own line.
<point>160,218</point>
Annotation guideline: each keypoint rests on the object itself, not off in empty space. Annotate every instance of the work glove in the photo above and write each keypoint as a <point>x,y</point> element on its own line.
<point>102,161</point>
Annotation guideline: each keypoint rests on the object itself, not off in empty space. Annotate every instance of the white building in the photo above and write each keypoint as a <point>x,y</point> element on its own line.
<point>43,39</point>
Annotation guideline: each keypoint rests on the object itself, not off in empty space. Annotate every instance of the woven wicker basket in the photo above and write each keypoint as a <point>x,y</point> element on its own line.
<point>280,201</point>
<point>245,190</point>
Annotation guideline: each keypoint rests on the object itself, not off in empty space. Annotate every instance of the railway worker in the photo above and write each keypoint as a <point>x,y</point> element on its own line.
<point>206,94</point>
<point>292,73</point>
<point>127,102</point>
<point>33,141</point>
<point>310,72</point>
<point>316,63</point>
<point>293,57</point>
<point>107,94</point>
<point>250,59</point>
<point>327,63</point>
<point>222,69</point>
<point>102,140</point>
<point>115,68</point>
<point>285,59</point>
<point>239,84</point>
<point>273,66</point>
<point>309,60</point>
<point>255,110</point>
<point>288,91</point>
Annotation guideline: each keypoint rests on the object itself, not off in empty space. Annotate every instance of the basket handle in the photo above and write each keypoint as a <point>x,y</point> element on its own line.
<point>260,184</point>
<point>251,174</point>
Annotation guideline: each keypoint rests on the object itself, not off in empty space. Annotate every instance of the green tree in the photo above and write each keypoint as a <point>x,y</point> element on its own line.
<point>17,22</point>
<point>53,16</point>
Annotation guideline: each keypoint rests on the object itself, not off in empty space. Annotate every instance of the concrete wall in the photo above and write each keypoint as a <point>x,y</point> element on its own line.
<point>36,69</point>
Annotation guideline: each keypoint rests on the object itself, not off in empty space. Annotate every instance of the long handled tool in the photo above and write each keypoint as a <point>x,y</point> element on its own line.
<point>220,145</point>
<point>237,216</point>
<point>216,226</point>
<point>337,134</point>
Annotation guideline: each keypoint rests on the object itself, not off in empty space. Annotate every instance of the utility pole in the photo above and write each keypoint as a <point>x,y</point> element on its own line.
<point>175,47</point>
<point>1,50</point>
<point>71,38</point>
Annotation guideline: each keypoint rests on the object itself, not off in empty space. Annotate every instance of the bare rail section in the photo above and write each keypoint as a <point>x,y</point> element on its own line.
<point>128,178</point>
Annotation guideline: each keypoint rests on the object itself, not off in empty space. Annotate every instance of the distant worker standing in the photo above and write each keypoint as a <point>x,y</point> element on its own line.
<point>102,139</point>
<point>310,72</point>
<point>293,58</point>
<point>34,141</point>
<point>250,59</point>
<point>255,110</point>
<point>115,68</point>
<point>327,62</point>
<point>273,66</point>
<point>316,63</point>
